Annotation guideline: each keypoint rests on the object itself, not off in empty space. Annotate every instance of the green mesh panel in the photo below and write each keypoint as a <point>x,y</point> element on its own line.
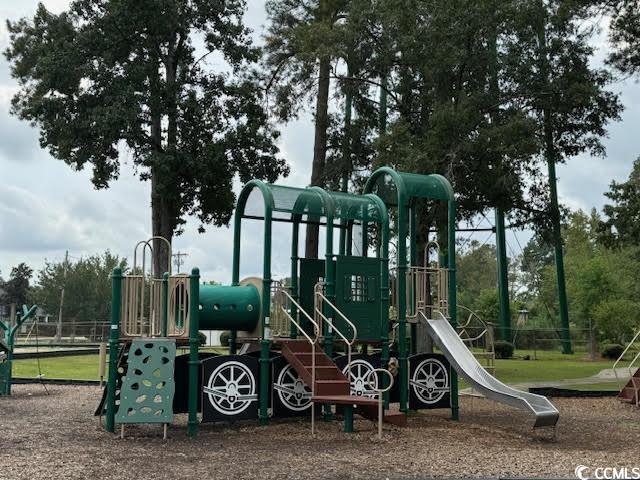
<point>147,389</point>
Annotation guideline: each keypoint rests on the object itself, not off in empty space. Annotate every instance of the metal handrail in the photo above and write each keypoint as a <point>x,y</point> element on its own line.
<point>348,342</point>
<point>635,359</point>
<point>316,327</point>
<point>313,342</point>
<point>380,391</point>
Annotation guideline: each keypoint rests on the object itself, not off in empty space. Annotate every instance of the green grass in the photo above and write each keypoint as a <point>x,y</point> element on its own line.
<point>76,367</point>
<point>590,387</point>
<point>550,366</point>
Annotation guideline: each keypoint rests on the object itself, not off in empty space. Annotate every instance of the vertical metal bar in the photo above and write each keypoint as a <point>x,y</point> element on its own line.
<point>294,274</point>
<point>503,279</point>
<point>413,253</point>
<point>453,311</point>
<point>266,316</point>
<point>403,370</point>
<point>194,342</point>
<point>114,336</point>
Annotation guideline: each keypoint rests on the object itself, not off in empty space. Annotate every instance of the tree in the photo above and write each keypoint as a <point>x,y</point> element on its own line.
<point>625,35</point>
<point>16,289</point>
<point>301,43</point>
<point>476,270</point>
<point>87,287</point>
<point>621,228</point>
<point>110,74</point>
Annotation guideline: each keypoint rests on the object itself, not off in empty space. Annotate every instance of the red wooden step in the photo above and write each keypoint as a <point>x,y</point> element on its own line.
<point>332,387</point>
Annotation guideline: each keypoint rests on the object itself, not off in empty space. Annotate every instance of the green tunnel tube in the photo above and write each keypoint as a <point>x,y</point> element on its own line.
<point>229,307</point>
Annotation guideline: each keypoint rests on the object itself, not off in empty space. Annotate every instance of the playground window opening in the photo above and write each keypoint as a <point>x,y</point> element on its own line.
<point>359,290</point>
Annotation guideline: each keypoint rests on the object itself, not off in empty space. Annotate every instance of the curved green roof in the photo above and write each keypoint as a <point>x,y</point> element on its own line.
<point>393,186</point>
<point>313,203</point>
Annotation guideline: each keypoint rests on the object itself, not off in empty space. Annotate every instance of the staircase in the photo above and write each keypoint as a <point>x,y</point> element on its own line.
<point>630,393</point>
<point>331,386</point>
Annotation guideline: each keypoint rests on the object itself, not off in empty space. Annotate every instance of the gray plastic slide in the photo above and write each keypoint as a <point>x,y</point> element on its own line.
<point>468,367</point>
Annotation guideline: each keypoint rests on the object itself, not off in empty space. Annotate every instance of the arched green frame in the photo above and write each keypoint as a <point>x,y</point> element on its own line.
<point>410,186</point>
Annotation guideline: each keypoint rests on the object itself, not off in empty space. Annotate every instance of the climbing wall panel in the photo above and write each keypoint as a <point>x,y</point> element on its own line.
<point>148,387</point>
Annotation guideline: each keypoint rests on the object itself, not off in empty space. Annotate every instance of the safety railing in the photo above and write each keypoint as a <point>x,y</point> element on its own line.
<point>633,364</point>
<point>279,323</point>
<point>312,341</point>
<point>147,302</point>
<point>319,300</point>
<point>380,391</point>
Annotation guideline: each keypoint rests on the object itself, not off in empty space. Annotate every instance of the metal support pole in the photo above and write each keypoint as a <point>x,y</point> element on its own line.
<point>114,337</point>
<point>265,343</point>
<point>403,362</point>
<point>557,240</point>
<point>453,310</point>
<point>413,254</point>
<point>194,342</point>
<point>503,278</point>
<point>293,331</point>
<point>348,418</point>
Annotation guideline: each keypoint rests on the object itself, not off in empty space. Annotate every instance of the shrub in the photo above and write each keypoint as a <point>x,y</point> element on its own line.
<point>612,351</point>
<point>203,339</point>
<point>224,338</point>
<point>503,349</point>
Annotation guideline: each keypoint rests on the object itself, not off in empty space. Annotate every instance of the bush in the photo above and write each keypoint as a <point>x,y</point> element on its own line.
<point>224,338</point>
<point>612,351</point>
<point>503,349</point>
<point>203,339</point>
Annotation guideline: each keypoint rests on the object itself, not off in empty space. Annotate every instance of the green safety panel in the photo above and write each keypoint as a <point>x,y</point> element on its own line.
<point>147,389</point>
<point>358,296</point>
<point>312,271</point>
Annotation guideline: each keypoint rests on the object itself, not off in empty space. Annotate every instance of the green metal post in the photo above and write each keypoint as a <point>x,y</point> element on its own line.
<point>403,361</point>
<point>346,154</point>
<point>557,240</point>
<point>165,303</point>
<point>265,343</point>
<point>383,256</point>
<point>503,278</point>
<point>453,310</point>
<point>413,253</point>
<point>10,344</point>
<point>194,342</point>
<point>114,338</point>
<point>11,340</point>
<point>294,274</point>
<point>348,418</point>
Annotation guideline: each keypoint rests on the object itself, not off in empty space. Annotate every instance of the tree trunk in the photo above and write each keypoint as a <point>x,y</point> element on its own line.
<point>162,213</point>
<point>162,225</point>
<point>319,147</point>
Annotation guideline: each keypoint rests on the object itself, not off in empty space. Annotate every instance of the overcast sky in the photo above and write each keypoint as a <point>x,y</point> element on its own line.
<point>46,208</point>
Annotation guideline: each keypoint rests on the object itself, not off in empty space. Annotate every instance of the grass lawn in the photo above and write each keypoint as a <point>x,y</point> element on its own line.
<point>74,367</point>
<point>589,387</point>
<point>550,366</point>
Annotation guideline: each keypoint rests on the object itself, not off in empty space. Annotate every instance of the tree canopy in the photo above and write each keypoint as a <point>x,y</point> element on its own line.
<point>113,79</point>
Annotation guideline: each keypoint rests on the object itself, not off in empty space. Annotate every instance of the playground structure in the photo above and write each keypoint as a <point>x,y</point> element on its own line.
<point>7,346</point>
<point>295,345</point>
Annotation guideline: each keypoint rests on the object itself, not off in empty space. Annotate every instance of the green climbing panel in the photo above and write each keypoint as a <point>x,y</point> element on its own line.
<point>5,377</point>
<point>148,387</point>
